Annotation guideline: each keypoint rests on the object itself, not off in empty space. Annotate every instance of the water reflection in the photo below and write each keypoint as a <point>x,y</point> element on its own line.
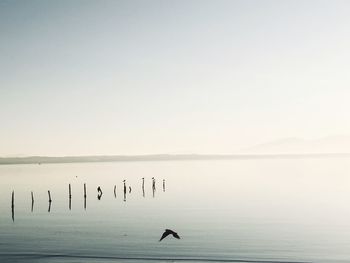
<point>243,221</point>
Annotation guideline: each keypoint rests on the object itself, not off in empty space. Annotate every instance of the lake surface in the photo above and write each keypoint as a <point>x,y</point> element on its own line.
<point>278,210</point>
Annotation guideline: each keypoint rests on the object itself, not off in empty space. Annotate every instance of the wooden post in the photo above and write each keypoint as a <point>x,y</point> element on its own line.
<point>124,191</point>
<point>13,199</point>
<point>85,196</point>
<point>115,191</point>
<point>70,197</point>
<point>13,206</point>
<point>32,200</point>
<point>50,200</point>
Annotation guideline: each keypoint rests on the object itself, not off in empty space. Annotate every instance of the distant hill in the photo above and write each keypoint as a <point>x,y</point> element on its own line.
<point>332,146</point>
<point>159,157</point>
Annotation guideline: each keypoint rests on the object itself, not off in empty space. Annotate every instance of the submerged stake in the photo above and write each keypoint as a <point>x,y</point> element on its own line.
<point>13,206</point>
<point>13,199</point>
<point>85,196</point>
<point>50,200</point>
<point>32,200</point>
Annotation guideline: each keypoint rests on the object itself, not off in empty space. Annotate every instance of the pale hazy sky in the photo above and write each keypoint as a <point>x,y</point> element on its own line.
<point>138,77</point>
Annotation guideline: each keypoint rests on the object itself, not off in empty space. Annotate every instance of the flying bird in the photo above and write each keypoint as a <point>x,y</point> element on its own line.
<point>167,233</point>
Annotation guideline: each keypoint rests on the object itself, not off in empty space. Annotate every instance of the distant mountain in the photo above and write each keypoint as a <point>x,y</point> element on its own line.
<point>330,144</point>
<point>160,157</point>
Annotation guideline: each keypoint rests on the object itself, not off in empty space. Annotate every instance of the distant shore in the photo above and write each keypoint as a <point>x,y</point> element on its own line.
<point>159,157</point>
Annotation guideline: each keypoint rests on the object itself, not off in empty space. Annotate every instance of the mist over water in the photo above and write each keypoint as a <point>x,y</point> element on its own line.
<point>293,210</point>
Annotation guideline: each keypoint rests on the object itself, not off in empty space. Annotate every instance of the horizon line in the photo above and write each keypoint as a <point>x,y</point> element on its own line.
<point>37,159</point>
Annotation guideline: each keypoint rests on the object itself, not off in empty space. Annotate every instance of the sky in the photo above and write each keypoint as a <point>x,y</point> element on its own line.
<point>146,77</point>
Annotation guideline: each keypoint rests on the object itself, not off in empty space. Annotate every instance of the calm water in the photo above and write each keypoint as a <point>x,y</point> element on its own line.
<point>295,210</point>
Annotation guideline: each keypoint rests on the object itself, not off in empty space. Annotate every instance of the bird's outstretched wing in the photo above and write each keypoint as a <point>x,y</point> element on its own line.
<point>165,234</point>
<point>176,235</point>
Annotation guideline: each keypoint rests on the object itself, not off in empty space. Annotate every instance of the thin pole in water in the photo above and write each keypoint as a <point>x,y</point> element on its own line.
<point>70,198</point>
<point>85,196</point>
<point>50,200</point>
<point>32,200</point>
<point>13,206</point>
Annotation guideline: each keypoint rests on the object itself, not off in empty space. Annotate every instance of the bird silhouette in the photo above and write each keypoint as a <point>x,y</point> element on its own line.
<point>167,233</point>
